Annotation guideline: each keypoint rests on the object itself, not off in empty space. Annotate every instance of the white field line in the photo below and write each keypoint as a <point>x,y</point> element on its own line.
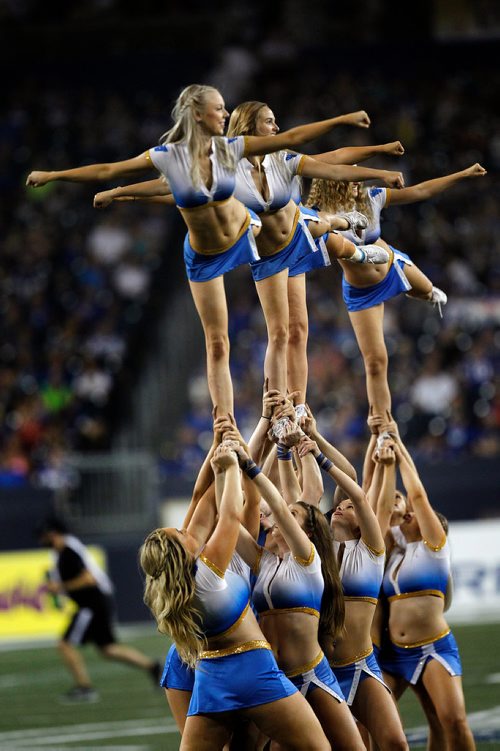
<point>83,732</point>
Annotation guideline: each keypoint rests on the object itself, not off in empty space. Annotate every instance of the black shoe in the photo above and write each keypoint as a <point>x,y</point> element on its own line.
<point>79,695</point>
<point>156,672</point>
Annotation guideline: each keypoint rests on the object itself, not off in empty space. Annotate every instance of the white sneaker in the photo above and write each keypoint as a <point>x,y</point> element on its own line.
<point>375,254</point>
<point>356,219</point>
<point>300,411</point>
<point>438,298</point>
<point>279,427</point>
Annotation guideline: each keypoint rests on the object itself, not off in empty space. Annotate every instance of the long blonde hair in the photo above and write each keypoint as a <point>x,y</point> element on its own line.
<point>335,196</point>
<point>187,130</point>
<point>169,592</point>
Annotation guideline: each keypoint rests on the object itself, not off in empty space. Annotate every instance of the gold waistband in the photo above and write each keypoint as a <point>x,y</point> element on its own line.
<point>247,646</point>
<point>279,611</point>
<point>420,593</point>
<point>423,642</point>
<point>372,600</point>
<point>305,668</point>
<point>351,660</point>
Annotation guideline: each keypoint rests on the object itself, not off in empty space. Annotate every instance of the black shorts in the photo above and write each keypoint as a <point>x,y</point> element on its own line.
<point>91,625</point>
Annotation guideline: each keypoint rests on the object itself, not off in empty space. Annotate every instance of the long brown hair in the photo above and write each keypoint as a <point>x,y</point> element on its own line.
<point>334,196</point>
<point>169,592</point>
<point>332,612</point>
<point>243,120</point>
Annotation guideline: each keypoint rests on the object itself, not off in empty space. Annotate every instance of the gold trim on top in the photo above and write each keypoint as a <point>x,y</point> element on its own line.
<point>423,642</point>
<point>216,251</point>
<point>278,611</point>
<point>212,566</point>
<point>245,143</point>
<point>247,646</point>
<point>236,623</point>
<point>353,598</point>
<point>351,660</point>
<point>420,593</point>
<point>148,159</point>
<point>388,192</point>
<point>375,551</point>
<point>305,561</point>
<point>435,548</point>
<point>300,165</point>
<point>305,668</point>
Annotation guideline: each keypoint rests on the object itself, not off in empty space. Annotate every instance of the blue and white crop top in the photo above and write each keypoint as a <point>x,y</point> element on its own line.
<point>174,162</point>
<point>280,169</point>
<point>361,571</point>
<point>379,198</point>
<point>221,598</point>
<point>288,584</point>
<point>417,569</point>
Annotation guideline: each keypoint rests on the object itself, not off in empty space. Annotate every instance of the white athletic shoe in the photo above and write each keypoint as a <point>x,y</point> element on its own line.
<point>356,219</point>
<point>375,254</point>
<point>300,411</point>
<point>438,298</point>
<point>279,427</point>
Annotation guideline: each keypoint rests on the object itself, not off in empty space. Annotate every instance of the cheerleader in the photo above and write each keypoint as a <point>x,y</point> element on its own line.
<point>422,650</point>
<point>199,165</point>
<point>359,547</point>
<point>365,288</point>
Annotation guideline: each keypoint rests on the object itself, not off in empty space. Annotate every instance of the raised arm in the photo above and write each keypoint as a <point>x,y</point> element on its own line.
<point>356,154</point>
<point>310,427</point>
<point>368,524</point>
<point>313,168</point>
<point>221,545</point>
<point>295,537</point>
<point>430,188</point>
<point>258,441</point>
<point>312,480</point>
<point>93,172</point>
<point>430,526</point>
<point>290,139</point>
<point>153,191</point>
<point>384,506</point>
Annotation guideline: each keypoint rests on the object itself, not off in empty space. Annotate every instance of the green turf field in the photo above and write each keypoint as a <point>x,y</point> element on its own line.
<point>133,715</point>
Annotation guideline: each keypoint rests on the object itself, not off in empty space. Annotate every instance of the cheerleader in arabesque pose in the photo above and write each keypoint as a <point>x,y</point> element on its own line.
<point>285,246</point>
<point>366,287</point>
<point>421,651</point>
<point>205,607</point>
<point>200,165</point>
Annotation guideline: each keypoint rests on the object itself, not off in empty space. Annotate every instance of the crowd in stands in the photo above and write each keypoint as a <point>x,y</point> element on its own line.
<point>75,284</point>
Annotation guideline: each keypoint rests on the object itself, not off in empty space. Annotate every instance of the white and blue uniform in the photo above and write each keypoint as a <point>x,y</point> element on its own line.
<point>244,675</point>
<point>395,281</point>
<point>415,570</point>
<point>361,573</point>
<point>281,170</point>
<point>174,162</point>
<point>291,584</point>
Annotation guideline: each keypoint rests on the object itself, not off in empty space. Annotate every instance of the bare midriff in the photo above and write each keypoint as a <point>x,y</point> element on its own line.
<point>416,619</point>
<point>245,630</point>
<point>366,274</point>
<point>215,227</point>
<point>277,229</point>
<point>356,637</point>
<point>293,637</point>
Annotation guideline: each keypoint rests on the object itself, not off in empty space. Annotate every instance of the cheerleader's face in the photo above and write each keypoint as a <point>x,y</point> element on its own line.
<point>399,509</point>
<point>265,124</point>
<point>214,115</point>
<point>409,526</point>
<point>266,516</point>
<point>344,517</point>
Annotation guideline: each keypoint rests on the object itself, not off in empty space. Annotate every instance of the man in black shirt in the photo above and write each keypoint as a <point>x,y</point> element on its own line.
<point>78,576</point>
